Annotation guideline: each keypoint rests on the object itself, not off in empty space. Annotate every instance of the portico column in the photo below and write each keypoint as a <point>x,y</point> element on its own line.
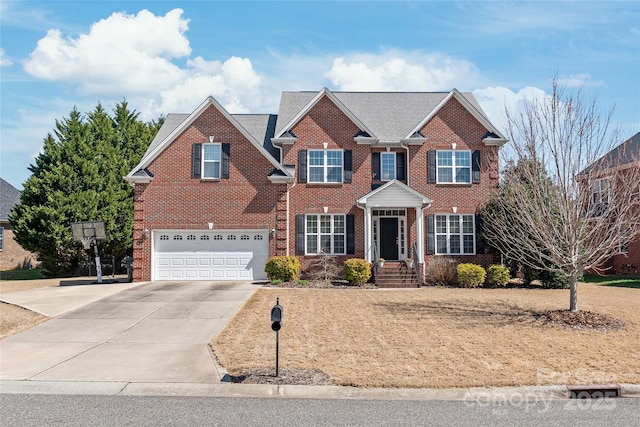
<point>367,234</point>
<point>419,234</point>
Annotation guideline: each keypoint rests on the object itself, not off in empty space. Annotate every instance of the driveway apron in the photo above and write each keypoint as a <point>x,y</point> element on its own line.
<point>154,332</point>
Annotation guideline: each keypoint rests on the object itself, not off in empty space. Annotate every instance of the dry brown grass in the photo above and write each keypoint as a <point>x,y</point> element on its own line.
<point>437,337</point>
<point>14,319</point>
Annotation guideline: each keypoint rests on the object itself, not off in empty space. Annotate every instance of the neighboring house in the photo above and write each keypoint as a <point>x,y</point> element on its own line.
<point>351,174</point>
<point>12,255</point>
<point>618,161</point>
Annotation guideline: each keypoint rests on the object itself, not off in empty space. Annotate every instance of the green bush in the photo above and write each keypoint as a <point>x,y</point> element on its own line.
<point>441,271</point>
<point>470,275</point>
<point>357,270</point>
<point>552,280</point>
<point>497,276</point>
<point>285,268</point>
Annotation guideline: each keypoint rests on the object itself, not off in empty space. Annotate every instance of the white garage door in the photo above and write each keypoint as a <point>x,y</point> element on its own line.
<point>210,254</point>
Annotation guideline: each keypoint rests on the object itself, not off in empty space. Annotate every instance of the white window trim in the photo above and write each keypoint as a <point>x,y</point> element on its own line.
<point>453,166</point>
<point>1,238</point>
<point>215,144</point>
<point>461,235</point>
<point>332,233</point>
<point>600,196</point>
<point>393,171</point>
<point>325,166</point>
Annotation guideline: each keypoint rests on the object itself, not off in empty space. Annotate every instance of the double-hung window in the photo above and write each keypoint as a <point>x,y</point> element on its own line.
<point>600,197</point>
<point>211,160</point>
<point>387,166</point>
<point>1,238</point>
<point>453,167</point>
<point>455,234</point>
<point>325,166</point>
<point>325,234</point>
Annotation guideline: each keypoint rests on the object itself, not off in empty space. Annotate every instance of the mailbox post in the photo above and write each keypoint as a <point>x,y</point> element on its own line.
<point>276,324</point>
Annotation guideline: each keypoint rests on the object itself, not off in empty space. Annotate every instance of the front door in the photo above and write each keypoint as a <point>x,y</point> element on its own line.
<point>389,238</point>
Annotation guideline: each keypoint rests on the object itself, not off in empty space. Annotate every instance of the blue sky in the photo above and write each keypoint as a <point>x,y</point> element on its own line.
<point>168,56</point>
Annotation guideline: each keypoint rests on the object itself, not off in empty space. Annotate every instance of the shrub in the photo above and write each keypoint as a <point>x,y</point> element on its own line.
<point>357,270</point>
<point>497,276</point>
<point>441,271</point>
<point>470,275</point>
<point>324,267</point>
<point>551,280</point>
<point>285,268</point>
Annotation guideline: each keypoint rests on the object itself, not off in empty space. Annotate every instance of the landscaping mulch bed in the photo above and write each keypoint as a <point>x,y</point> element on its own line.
<point>266,375</point>
<point>582,320</point>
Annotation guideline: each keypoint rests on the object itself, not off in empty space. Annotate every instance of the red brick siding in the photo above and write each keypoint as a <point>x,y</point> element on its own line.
<point>174,200</point>
<point>12,254</point>
<point>248,200</point>
<point>453,124</point>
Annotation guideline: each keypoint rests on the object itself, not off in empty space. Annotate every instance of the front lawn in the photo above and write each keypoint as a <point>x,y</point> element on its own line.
<point>619,281</point>
<point>437,337</point>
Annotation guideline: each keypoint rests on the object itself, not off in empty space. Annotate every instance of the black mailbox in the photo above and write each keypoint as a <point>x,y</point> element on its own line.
<point>276,316</point>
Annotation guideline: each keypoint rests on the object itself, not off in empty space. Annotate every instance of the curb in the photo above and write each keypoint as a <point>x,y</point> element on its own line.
<point>473,394</point>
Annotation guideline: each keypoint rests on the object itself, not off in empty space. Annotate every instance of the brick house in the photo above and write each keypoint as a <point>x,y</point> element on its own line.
<point>620,160</point>
<point>12,255</point>
<point>395,175</point>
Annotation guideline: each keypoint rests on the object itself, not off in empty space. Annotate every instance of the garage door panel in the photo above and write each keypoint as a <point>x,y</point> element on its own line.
<point>210,255</point>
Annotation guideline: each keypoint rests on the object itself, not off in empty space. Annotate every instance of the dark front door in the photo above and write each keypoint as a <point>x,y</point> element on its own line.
<point>389,238</point>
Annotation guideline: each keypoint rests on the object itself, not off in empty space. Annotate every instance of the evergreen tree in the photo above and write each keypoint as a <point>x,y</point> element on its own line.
<point>78,177</point>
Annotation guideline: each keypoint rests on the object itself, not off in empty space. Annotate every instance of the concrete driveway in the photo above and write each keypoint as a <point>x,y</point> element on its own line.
<point>150,332</point>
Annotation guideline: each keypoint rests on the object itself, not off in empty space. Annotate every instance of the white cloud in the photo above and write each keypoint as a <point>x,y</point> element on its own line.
<point>130,53</point>
<point>495,100</point>
<point>398,71</point>
<point>578,80</point>
<point>234,83</point>
<point>4,61</point>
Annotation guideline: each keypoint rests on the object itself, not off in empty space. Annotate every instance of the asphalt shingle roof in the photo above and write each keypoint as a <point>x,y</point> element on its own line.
<point>389,115</point>
<point>9,197</point>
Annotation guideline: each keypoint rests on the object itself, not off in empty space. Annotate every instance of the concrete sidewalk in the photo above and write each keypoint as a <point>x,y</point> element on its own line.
<point>150,332</point>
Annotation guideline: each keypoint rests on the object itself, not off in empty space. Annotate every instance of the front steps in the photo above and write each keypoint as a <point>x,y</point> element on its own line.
<point>396,275</point>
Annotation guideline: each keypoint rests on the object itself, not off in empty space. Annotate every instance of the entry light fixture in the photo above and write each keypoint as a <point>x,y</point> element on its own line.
<point>211,138</point>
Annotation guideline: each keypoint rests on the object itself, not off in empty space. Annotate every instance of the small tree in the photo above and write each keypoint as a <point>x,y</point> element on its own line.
<point>556,214</point>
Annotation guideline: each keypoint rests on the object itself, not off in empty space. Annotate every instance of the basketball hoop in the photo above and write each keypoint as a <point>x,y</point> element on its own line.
<point>88,232</point>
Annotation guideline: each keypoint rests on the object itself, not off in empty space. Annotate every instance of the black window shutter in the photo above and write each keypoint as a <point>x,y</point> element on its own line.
<point>302,166</point>
<point>196,158</point>
<point>475,166</point>
<point>226,151</point>
<point>431,166</point>
<point>431,234</point>
<point>400,166</point>
<point>348,166</point>
<point>479,237</point>
<point>375,166</point>
<point>351,234</point>
<point>299,234</point>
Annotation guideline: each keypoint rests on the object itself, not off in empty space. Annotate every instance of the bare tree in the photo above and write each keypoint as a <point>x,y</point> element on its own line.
<point>570,206</point>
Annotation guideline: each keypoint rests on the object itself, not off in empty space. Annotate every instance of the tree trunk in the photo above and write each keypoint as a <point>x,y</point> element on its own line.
<point>573,286</point>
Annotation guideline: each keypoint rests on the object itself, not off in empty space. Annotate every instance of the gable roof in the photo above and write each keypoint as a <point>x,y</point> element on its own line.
<point>623,154</point>
<point>301,112</point>
<point>394,194</point>
<point>388,116</point>
<point>175,124</point>
<point>9,197</point>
